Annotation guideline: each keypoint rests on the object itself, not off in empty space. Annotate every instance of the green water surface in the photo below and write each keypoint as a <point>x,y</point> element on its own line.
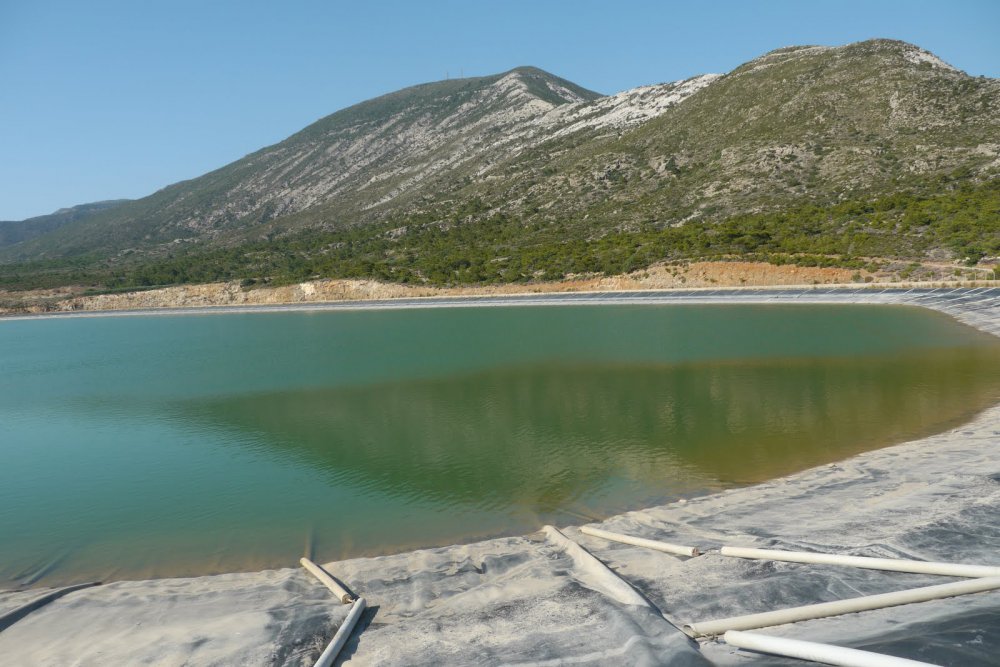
<point>154,446</point>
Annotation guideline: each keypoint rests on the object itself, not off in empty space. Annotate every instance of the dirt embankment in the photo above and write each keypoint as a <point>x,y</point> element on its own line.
<point>695,274</point>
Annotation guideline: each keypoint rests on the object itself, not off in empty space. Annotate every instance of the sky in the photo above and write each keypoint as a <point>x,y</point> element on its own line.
<point>107,99</point>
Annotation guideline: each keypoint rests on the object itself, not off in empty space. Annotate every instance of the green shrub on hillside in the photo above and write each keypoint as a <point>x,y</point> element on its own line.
<point>466,248</point>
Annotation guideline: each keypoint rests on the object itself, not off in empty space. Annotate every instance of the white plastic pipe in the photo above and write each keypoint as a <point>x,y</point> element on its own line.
<point>825,609</point>
<point>821,653</point>
<point>890,564</point>
<point>641,542</point>
<point>342,593</point>
<point>332,649</point>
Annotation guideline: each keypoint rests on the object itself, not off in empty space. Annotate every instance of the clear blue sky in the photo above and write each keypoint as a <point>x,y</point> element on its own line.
<point>105,99</point>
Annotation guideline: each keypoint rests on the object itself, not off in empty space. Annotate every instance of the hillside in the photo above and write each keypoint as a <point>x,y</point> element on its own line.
<point>359,157</point>
<point>871,152</point>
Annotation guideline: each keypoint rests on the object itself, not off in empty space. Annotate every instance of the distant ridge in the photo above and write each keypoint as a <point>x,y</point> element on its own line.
<point>12,231</point>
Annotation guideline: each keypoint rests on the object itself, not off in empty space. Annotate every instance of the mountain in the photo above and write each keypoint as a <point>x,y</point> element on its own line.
<point>368,158</point>
<point>16,231</point>
<point>874,149</point>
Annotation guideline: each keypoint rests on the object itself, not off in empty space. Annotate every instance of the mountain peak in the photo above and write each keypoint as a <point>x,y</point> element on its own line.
<point>549,87</point>
<point>897,51</point>
<point>894,48</point>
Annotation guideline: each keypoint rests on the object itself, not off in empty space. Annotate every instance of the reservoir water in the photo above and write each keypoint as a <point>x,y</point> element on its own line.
<point>145,446</point>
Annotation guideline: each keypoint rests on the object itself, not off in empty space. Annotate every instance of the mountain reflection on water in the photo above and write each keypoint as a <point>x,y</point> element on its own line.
<point>544,436</point>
